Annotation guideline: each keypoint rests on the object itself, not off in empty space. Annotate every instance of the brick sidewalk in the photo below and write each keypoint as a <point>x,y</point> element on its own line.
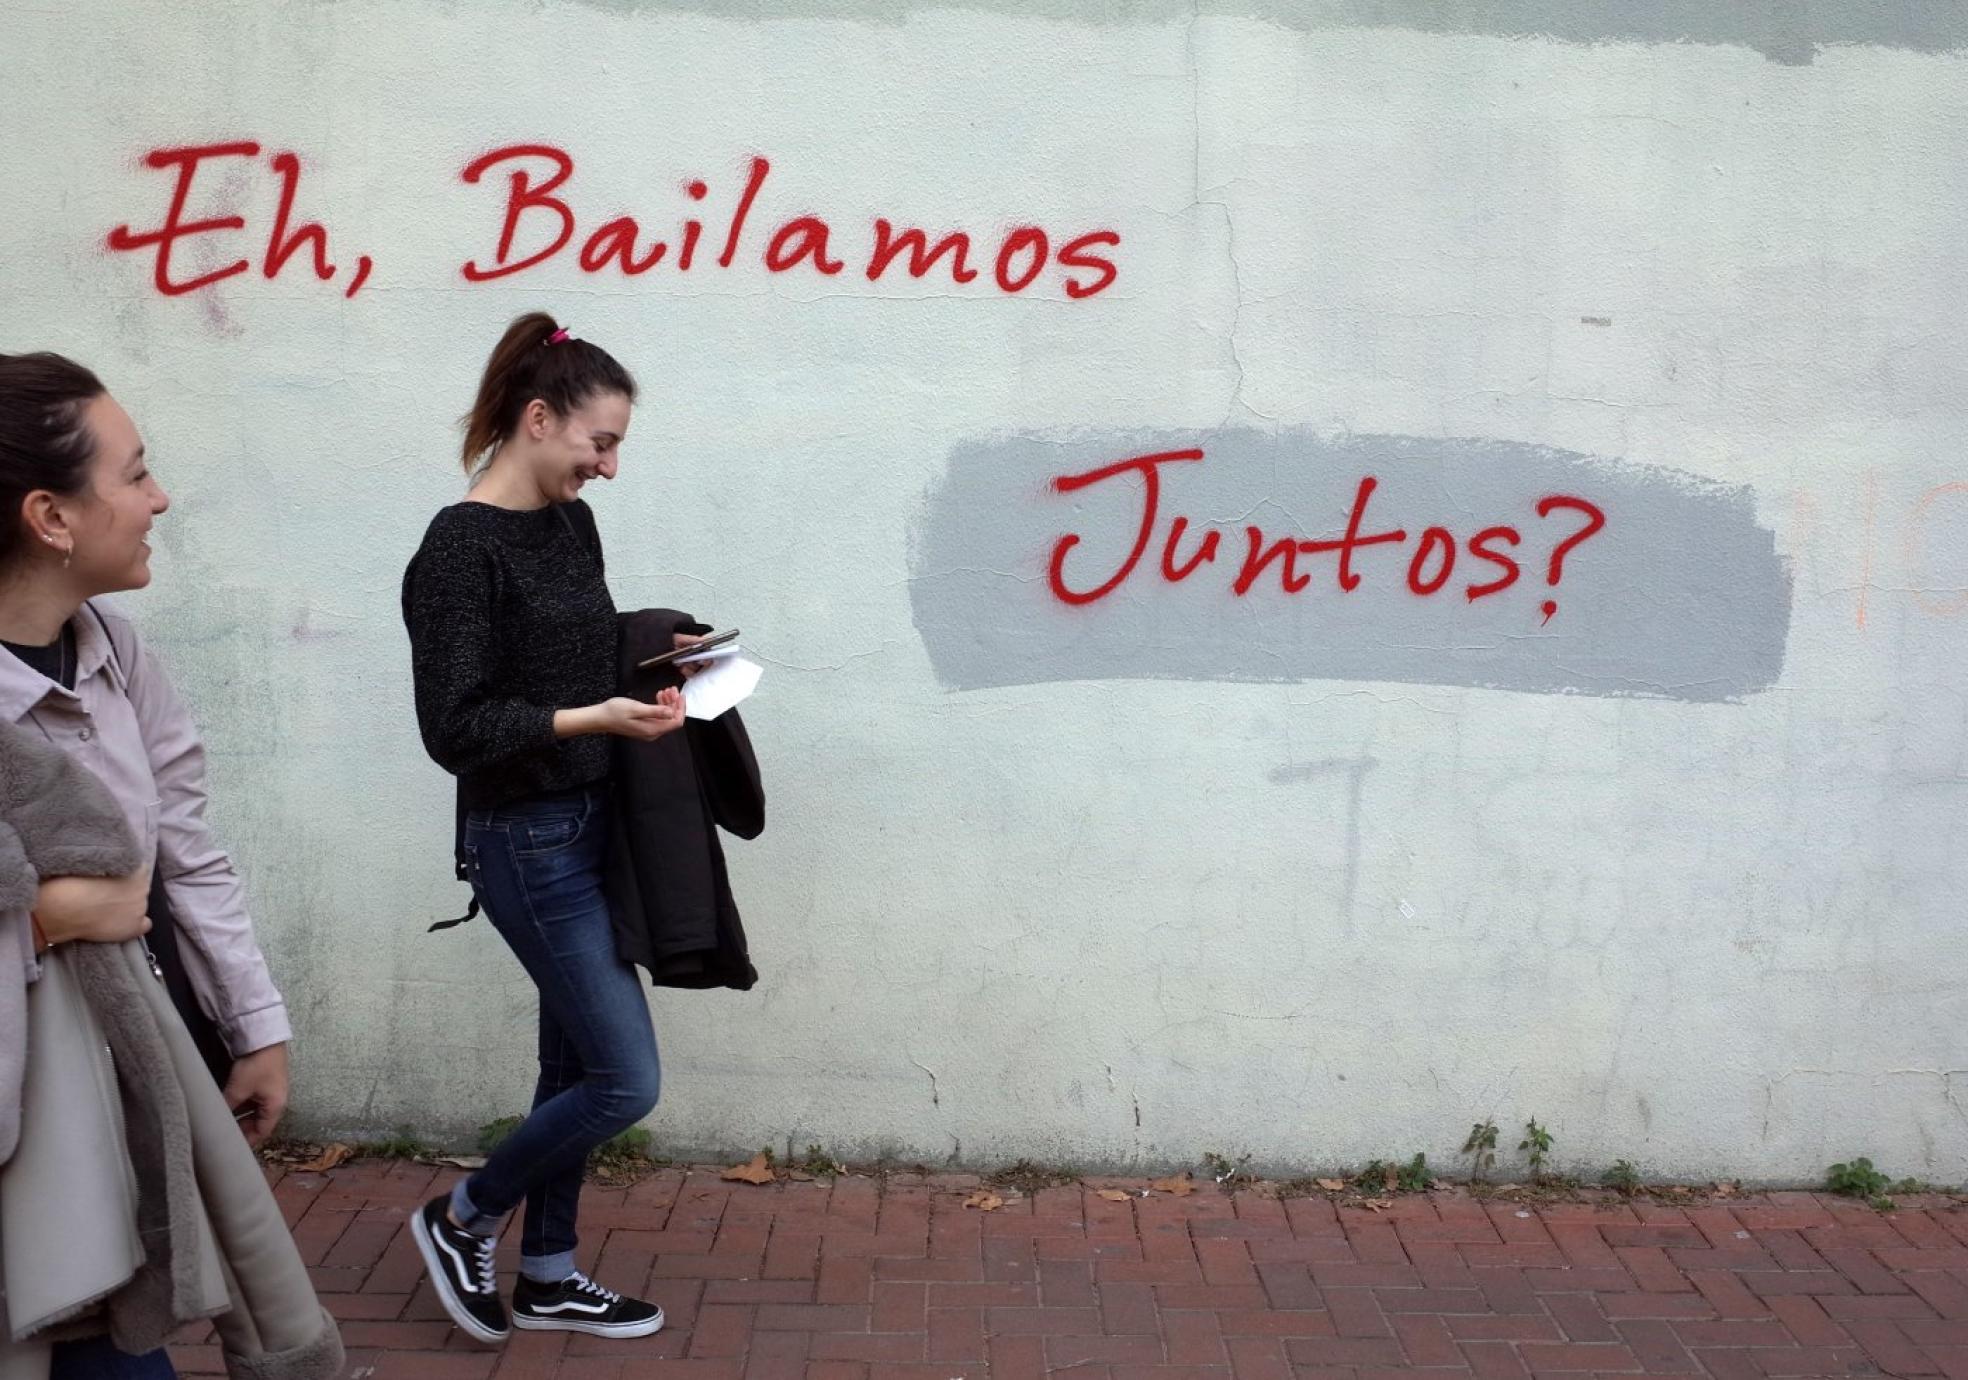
<point>860,1280</point>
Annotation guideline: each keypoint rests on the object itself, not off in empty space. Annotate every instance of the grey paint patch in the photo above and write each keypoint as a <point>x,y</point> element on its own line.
<point>1680,594</point>
<point>1786,31</point>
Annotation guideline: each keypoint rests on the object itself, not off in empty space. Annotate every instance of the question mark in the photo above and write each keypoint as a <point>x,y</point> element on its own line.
<point>1595,520</point>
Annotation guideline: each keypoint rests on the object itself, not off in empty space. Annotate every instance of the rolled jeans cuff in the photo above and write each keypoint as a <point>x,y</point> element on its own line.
<point>467,1214</point>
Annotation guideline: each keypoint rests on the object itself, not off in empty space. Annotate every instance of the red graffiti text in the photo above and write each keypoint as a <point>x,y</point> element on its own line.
<point>285,238</point>
<point>1486,557</point>
<point>538,222</point>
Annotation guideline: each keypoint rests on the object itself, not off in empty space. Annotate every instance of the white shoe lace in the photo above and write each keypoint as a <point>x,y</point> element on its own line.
<point>588,1286</point>
<point>484,1246</point>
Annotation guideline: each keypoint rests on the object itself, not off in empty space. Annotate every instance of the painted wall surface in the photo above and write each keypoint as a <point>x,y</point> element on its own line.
<point>1524,681</point>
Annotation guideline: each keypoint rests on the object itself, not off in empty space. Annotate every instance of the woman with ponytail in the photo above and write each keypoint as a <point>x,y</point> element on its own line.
<point>513,650</point>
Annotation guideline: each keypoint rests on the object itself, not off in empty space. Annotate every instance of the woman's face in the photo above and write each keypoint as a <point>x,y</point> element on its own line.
<point>109,518</point>
<point>585,444</point>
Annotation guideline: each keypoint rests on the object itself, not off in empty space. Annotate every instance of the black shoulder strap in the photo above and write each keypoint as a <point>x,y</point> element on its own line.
<point>471,913</point>
<point>458,864</point>
<point>591,541</point>
<point>119,656</point>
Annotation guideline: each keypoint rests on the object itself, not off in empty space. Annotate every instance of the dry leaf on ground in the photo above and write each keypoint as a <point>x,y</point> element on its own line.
<point>1332,1185</point>
<point>463,1161</point>
<point>330,1156</point>
<point>1378,1204</point>
<point>984,1202</point>
<point>1115,1195</point>
<point>1181,1185</point>
<point>1390,1178</point>
<point>799,1176</point>
<point>755,1172</point>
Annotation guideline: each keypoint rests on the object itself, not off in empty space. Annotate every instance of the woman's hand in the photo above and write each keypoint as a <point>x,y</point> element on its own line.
<point>645,723</point>
<point>688,668</point>
<point>257,1092</point>
<point>97,910</point>
<point>624,717</point>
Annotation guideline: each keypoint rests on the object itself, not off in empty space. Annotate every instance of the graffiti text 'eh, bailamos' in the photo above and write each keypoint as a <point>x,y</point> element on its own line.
<point>536,221</point>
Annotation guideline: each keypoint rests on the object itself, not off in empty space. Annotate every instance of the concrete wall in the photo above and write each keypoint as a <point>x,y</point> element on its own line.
<point>1067,858</point>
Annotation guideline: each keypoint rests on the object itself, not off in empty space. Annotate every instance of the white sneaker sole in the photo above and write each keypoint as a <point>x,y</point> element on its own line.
<point>440,1285</point>
<point>528,1323</point>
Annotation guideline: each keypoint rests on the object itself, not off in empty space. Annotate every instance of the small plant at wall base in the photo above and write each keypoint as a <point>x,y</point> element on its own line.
<point>493,1132</point>
<point>402,1145</point>
<point>1856,1179</point>
<point>1028,1178</point>
<point>1481,1146</point>
<point>818,1164</point>
<point>1232,1174</point>
<point>1537,1147</point>
<point>1622,1178</point>
<point>1394,1176</point>
<point>625,1156</point>
<point>1413,1177</point>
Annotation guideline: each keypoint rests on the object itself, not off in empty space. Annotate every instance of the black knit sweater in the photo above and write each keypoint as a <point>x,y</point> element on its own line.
<point>510,619</point>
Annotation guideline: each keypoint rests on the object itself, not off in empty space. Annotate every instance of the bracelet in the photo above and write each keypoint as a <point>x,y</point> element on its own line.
<point>41,941</point>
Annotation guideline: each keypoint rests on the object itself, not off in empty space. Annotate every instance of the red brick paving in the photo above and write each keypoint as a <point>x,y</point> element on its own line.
<point>897,1280</point>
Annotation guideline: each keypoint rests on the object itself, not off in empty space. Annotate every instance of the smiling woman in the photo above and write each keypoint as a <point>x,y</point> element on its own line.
<point>513,649</point>
<point>77,501</point>
<point>75,478</point>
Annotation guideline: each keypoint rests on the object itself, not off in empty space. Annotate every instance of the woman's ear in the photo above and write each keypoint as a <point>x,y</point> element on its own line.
<point>537,419</point>
<point>44,522</point>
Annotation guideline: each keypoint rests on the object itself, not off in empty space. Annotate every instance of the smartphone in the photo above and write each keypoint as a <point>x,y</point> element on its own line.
<point>716,639</point>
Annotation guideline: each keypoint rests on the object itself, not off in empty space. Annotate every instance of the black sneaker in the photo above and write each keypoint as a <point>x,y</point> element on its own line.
<point>578,1304</point>
<point>460,1265</point>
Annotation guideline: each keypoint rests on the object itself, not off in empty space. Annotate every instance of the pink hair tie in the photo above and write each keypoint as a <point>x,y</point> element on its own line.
<point>559,336</point>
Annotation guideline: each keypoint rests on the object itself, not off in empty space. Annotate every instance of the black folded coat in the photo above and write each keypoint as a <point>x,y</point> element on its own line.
<point>668,892</point>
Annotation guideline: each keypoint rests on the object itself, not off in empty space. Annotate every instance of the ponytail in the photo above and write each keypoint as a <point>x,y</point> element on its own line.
<point>536,358</point>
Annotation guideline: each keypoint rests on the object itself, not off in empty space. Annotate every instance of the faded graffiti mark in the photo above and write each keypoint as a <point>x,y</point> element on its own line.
<point>1871,527</point>
<point>1956,602</point>
<point>1355,770</point>
<point>1295,556</point>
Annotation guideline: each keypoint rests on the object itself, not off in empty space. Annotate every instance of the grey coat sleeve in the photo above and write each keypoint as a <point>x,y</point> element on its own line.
<point>65,820</point>
<point>17,969</point>
<point>56,820</point>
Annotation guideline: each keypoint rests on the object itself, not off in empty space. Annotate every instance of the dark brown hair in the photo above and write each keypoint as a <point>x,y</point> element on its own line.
<point>44,442</point>
<point>529,363</point>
